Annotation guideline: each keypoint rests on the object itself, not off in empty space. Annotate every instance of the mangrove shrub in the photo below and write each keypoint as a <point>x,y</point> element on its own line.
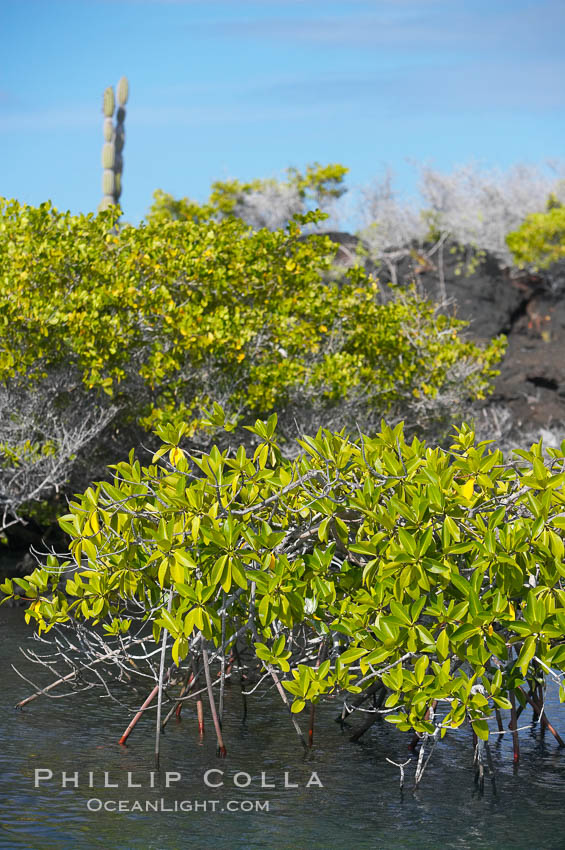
<point>434,576</point>
<point>106,328</point>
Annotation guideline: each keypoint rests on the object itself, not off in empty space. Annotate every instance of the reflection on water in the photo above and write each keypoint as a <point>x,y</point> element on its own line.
<point>359,806</point>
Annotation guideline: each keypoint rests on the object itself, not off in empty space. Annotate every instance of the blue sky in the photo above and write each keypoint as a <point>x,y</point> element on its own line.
<point>246,89</point>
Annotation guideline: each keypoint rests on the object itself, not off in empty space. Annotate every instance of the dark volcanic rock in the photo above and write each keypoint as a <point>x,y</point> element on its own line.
<point>532,376</point>
<point>528,308</point>
<point>477,290</point>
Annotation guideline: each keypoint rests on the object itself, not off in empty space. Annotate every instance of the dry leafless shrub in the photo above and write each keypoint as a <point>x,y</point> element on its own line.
<point>45,429</point>
<point>471,206</point>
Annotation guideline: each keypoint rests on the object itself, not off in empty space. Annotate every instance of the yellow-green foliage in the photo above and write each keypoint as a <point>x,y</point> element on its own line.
<point>409,559</point>
<point>314,187</point>
<point>168,316</point>
<point>167,208</point>
<point>319,182</point>
<point>540,239</point>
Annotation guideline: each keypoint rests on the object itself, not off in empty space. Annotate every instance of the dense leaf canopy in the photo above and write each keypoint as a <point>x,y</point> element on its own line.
<point>152,324</point>
<point>540,239</point>
<point>436,573</point>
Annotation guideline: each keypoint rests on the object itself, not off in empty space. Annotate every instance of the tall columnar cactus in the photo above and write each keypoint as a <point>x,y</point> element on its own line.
<point>114,140</point>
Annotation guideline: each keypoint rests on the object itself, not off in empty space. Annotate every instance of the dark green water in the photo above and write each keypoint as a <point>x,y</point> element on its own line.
<point>359,806</point>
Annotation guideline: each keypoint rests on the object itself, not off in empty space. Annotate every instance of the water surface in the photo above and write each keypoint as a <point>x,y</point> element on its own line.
<point>359,806</point>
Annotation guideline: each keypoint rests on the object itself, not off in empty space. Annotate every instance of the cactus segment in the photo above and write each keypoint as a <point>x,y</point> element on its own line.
<point>108,182</point>
<point>114,140</point>
<point>109,102</point>
<point>108,155</point>
<point>120,138</point>
<point>122,90</point>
